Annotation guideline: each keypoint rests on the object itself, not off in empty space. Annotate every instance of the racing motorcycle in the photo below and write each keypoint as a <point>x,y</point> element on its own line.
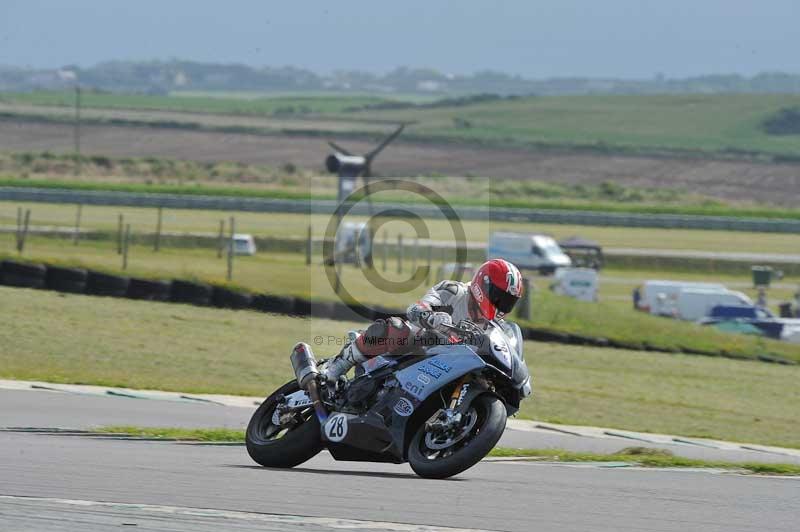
<point>441,406</point>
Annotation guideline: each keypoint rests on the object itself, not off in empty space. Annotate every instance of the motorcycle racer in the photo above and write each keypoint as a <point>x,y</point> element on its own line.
<point>491,294</point>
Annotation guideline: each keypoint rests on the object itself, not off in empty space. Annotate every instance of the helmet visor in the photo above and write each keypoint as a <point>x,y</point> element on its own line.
<point>502,300</point>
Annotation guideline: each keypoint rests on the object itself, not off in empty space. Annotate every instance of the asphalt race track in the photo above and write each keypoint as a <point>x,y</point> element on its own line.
<point>60,482</point>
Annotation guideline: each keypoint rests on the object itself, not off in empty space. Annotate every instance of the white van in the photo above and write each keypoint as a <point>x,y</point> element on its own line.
<point>696,303</point>
<point>661,297</point>
<point>577,283</point>
<point>244,244</point>
<point>353,243</point>
<point>528,251</point>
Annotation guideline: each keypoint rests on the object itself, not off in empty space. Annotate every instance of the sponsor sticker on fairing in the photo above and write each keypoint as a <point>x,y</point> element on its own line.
<point>403,407</point>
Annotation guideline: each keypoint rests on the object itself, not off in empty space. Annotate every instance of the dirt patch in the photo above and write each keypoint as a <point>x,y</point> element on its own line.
<point>773,183</point>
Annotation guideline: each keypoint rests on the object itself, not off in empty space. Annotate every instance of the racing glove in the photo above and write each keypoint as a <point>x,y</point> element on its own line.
<point>436,319</point>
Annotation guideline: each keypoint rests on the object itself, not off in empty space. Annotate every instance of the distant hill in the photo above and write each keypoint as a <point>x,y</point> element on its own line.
<point>162,77</point>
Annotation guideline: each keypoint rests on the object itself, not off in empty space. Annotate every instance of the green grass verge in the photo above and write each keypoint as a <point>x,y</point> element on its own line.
<point>287,274</point>
<point>143,345</point>
<point>179,434</point>
<point>645,457</point>
<point>639,456</point>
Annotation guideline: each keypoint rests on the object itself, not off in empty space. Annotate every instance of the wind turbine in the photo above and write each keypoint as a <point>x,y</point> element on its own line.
<point>350,167</point>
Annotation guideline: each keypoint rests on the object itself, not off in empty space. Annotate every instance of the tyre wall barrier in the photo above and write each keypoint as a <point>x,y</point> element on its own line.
<point>149,290</point>
<point>273,304</point>
<point>226,298</point>
<point>191,292</point>
<point>22,274</point>
<point>72,280</point>
<point>106,284</point>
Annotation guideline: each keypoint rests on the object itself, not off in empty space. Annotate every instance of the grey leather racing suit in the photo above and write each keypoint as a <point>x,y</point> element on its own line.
<point>451,297</point>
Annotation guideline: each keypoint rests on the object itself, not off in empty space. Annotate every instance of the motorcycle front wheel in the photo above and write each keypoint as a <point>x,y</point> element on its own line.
<point>286,444</point>
<point>441,456</point>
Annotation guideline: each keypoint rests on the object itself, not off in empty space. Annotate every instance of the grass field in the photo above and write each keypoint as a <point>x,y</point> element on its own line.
<point>79,339</point>
<point>692,124</point>
<point>143,220</point>
<point>286,273</point>
<point>199,103</point>
<point>695,123</point>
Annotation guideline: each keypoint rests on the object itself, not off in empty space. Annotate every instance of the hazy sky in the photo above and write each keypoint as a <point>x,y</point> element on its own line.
<point>534,38</point>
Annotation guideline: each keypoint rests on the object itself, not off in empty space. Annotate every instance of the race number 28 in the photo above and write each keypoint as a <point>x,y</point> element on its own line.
<point>336,427</point>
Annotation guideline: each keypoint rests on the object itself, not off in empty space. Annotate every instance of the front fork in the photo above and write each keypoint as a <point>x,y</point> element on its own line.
<point>457,392</point>
<point>449,418</point>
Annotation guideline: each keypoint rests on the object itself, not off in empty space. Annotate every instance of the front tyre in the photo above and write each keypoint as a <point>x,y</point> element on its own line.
<point>291,441</point>
<point>444,455</point>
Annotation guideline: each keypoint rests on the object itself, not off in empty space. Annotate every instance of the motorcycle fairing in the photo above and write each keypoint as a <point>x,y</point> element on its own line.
<point>379,434</point>
<point>427,376</point>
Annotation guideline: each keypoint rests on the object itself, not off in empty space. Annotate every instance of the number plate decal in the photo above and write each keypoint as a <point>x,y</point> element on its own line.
<point>336,428</point>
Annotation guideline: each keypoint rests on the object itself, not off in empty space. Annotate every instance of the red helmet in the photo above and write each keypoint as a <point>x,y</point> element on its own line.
<point>496,288</point>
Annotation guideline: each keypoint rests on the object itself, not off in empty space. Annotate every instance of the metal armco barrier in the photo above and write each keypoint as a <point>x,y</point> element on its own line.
<point>548,216</point>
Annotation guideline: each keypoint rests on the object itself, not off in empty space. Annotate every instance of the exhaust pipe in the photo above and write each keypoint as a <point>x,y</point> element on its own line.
<point>305,371</point>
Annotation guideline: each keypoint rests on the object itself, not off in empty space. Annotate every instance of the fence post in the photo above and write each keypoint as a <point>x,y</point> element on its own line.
<point>399,253</point>
<point>119,234</point>
<point>415,256</point>
<point>157,241</point>
<point>308,246</point>
<point>18,233</point>
<point>22,230</point>
<point>337,268</point>
<point>125,246</point>
<point>221,238</point>
<point>430,257</point>
<point>77,233</point>
<point>231,249</point>
<point>385,248</point>
<point>524,312</point>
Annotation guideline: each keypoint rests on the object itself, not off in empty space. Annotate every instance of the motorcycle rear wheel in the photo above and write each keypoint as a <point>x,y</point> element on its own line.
<point>271,446</point>
<point>467,450</point>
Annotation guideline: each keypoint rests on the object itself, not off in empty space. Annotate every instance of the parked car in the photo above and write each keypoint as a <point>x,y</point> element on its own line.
<point>584,253</point>
<point>529,251</point>
<point>244,244</point>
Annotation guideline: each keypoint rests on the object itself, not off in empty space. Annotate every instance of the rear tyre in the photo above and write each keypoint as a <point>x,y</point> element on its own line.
<point>273,446</point>
<point>430,457</point>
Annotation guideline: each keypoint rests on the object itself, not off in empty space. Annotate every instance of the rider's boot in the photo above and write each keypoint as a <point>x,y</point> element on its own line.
<point>341,364</point>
